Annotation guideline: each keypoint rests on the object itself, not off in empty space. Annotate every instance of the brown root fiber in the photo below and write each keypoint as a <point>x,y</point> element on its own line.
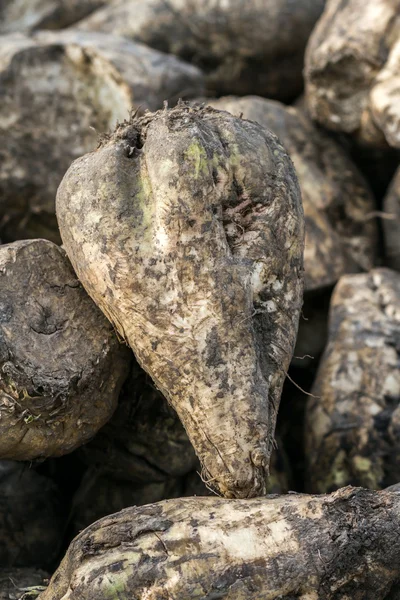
<point>186,228</point>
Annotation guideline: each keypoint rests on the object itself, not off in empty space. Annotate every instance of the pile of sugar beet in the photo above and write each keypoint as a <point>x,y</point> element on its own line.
<point>200,299</point>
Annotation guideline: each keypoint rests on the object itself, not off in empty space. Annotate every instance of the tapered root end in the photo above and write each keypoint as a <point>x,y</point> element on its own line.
<point>251,483</point>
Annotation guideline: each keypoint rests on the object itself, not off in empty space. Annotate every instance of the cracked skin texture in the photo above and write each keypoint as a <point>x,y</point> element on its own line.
<point>186,228</point>
<point>61,365</point>
<point>293,547</point>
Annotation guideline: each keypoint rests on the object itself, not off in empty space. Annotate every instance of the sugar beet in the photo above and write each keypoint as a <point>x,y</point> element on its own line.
<point>294,546</point>
<point>353,420</point>
<point>61,365</point>
<point>58,90</point>
<point>186,227</point>
<point>28,15</point>
<point>352,70</point>
<point>242,46</point>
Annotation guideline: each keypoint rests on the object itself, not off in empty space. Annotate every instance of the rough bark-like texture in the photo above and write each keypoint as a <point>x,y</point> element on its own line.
<point>186,227</point>
<point>336,199</point>
<point>28,15</point>
<point>145,440</point>
<point>391,224</point>
<point>57,92</point>
<point>99,496</point>
<point>61,364</point>
<point>353,70</point>
<point>243,46</point>
<point>31,517</point>
<point>290,547</point>
<point>14,583</point>
<point>353,425</point>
